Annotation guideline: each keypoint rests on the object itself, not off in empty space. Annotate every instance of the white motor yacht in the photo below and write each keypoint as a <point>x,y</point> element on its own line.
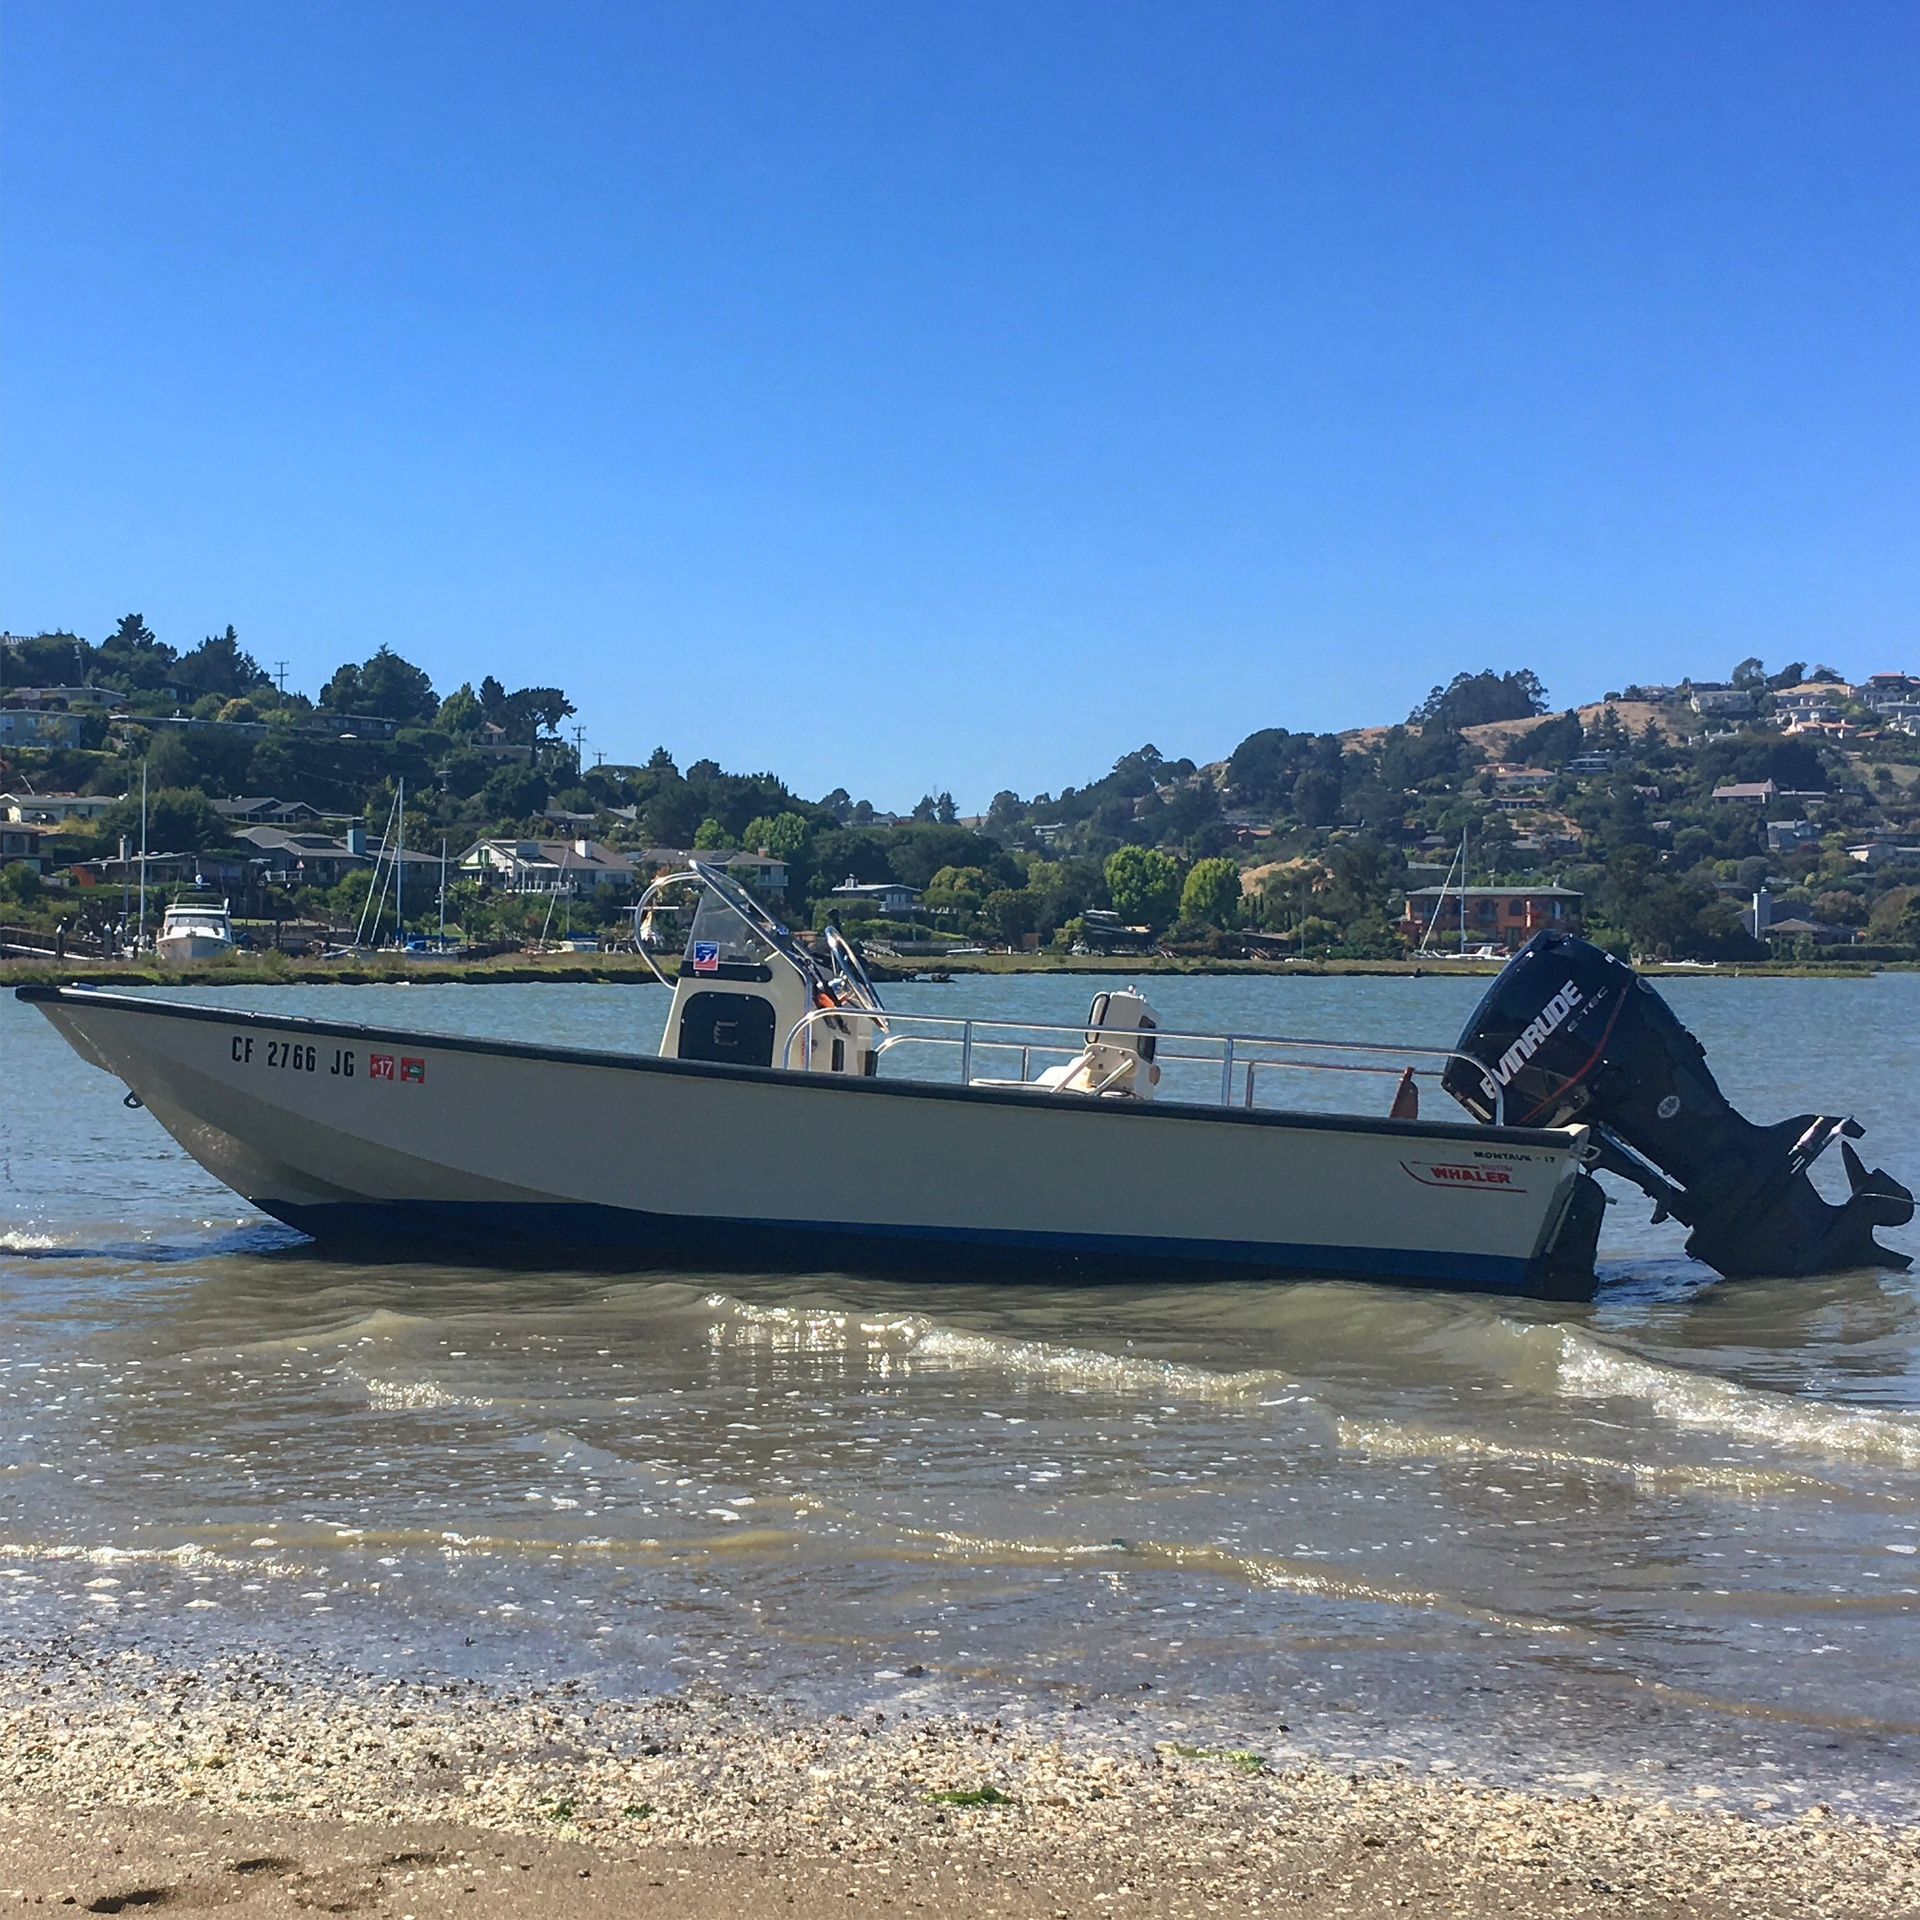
<point>192,930</point>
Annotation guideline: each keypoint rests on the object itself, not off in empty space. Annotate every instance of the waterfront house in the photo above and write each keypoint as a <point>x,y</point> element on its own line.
<point>1497,915</point>
<point>547,866</point>
<point>307,859</point>
<point>887,898</point>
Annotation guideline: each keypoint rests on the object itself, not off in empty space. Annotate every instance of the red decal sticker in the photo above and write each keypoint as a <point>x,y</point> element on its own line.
<point>1441,1174</point>
<point>414,1070</point>
<point>380,1066</point>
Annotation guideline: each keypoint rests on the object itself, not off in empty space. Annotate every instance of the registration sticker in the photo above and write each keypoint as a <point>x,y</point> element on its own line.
<point>413,1070</point>
<point>380,1066</point>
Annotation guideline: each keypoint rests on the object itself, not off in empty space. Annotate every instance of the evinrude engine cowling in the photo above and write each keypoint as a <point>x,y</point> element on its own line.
<point>1568,1035</point>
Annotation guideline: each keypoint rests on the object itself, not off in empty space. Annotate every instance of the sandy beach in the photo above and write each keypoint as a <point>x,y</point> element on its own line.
<point>260,1788</point>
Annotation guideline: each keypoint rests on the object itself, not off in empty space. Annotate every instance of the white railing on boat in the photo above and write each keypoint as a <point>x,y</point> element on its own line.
<point>1239,1059</point>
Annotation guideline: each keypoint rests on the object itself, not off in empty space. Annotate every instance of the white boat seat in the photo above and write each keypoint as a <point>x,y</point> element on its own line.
<point>1117,1063</point>
<point>1060,1079</point>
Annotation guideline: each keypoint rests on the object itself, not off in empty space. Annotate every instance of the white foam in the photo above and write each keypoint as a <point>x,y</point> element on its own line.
<point>891,1339</point>
<point>1589,1370</point>
<point>25,1240</point>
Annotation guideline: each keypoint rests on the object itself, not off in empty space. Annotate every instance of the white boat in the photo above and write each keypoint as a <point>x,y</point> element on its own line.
<point>193,930</point>
<point>781,1125</point>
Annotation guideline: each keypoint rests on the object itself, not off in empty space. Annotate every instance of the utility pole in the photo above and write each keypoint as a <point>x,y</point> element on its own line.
<point>280,675</point>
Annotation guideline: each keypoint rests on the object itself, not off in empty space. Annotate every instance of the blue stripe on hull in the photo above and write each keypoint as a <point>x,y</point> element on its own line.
<point>511,1232</point>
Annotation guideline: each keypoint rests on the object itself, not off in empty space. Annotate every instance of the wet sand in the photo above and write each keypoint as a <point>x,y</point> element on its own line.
<point>261,1789</point>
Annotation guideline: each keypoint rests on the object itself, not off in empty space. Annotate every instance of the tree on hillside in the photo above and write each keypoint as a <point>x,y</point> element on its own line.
<point>218,665</point>
<point>944,809</point>
<point>383,687</point>
<point>47,660</point>
<point>179,820</point>
<point>1144,884</point>
<point>784,835</point>
<point>1211,896</point>
<point>711,837</point>
<point>1316,796</point>
<point>132,656</point>
<point>1751,674</point>
<point>460,711</point>
<point>1476,699</point>
<point>1265,767</point>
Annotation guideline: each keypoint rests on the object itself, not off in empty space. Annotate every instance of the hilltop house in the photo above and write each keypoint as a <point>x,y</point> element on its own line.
<point>66,699</point>
<point>53,809</point>
<point>27,727</point>
<point>1517,780</point>
<point>1722,703</point>
<point>1880,691</point>
<point>20,846</point>
<point>262,810</point>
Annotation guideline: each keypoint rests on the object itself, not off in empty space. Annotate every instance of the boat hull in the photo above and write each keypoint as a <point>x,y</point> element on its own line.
<point>397,1141</point>
<point>182,949</point>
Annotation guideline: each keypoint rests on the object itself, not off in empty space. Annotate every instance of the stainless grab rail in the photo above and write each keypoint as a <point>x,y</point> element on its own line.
<point>1229,1049</point>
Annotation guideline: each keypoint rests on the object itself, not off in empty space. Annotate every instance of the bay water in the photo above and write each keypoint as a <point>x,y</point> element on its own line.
<point>1669,1540</point>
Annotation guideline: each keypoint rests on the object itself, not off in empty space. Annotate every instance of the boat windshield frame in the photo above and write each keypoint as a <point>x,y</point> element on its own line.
<point>719,886</point>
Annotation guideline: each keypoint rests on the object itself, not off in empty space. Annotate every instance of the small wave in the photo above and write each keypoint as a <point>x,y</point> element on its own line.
<point>1274,1572</point>
<point>1389,1440</point>
<point>26,1240</point>
<point>892,1338</point>
<point>376,1323</point>
<point>186,1556</point>
<point>1590,1371</point>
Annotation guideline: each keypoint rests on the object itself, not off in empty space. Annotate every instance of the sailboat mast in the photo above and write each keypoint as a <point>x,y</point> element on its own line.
<point>1463,890</point>
<point>400,867</point>
<point>140,939</point>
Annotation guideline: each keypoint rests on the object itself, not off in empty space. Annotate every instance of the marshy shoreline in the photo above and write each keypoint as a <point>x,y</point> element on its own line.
<point>256,1785</point>
<point>616,969</point>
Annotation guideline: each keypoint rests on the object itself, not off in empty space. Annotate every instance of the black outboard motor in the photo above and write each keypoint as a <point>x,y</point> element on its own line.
<point>1567,1035</point>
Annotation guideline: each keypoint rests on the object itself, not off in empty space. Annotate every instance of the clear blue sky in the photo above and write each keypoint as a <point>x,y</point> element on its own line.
<point>914,395</point>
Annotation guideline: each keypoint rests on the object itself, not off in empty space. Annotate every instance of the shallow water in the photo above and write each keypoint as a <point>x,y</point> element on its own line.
<point>1672,1538</point>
